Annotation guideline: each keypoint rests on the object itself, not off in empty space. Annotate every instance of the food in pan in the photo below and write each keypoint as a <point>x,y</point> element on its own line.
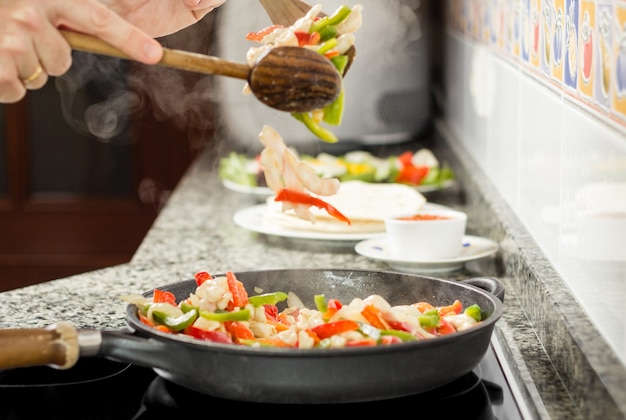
<point>221,310</point>
<point>331,36</point>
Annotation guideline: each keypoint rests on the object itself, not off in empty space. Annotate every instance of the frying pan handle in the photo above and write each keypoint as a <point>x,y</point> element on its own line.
<point>56,345</point>
<point>488,284</point>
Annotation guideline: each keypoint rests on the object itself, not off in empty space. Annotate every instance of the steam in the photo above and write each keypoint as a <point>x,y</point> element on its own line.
<point>102,96</point>
<point>107,97</point>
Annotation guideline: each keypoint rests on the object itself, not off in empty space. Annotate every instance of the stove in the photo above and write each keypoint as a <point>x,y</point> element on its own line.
<point>100,389</point>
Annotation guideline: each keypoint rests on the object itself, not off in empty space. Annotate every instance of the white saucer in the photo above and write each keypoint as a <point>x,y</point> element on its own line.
<point>474,248</point>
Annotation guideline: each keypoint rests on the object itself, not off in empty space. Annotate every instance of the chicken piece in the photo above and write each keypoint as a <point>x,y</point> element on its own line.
<point>283,169</point>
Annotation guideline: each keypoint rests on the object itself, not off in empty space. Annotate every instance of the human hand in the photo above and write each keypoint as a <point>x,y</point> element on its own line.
<point>162,17</point>
<point>32,48</point>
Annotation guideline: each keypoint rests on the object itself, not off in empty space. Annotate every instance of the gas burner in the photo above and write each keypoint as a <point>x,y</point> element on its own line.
<point>100,389</point>
<point>91,390</point>
<point>468,396</point>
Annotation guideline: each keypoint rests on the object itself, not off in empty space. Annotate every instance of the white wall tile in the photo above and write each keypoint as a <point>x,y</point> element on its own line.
<point>503,128</point>
<point>545,153</point>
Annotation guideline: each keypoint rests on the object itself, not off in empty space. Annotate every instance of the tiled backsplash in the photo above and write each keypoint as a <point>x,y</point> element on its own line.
<point>535,91</point>
<point>578,46</point>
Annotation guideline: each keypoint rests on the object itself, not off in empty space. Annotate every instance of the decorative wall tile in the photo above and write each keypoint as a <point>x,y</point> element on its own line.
<point>577,46</point>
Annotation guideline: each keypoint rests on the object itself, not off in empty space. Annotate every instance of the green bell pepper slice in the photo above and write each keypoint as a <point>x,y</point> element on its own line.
<point>334,111</point>
<point>241,315</point>
<point>474,311</point>
<point>327,46</point>
<point>319,131</point>
<point>176,324</point>
<point>402,335</point>
<point>186,306</point>
<point>429,319</point>
<point>267,299</point>
<point>321,303</point>
<point>328,32</point>
<point>340,62</point>
<point>335,19</point>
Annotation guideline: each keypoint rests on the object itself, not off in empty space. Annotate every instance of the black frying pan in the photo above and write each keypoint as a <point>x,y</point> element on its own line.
<point>303,376</point>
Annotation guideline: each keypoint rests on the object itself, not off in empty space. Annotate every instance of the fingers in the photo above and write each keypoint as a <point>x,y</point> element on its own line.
<point>20,68</point>
<point>203,4</point>
<point>201,7</point>
<point>31,46</point>
<point>92,17</point>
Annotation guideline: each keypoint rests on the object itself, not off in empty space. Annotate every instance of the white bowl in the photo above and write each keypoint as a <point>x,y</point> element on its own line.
<point>426,235</point>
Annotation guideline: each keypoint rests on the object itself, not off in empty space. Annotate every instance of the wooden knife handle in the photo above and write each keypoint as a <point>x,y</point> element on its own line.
<point>183,60</point>
<point>56,345</point>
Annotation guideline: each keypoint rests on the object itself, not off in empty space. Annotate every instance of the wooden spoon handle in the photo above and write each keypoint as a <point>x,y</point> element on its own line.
<point>183,60</point>
<point>285,12</point>
<point>56,345</point>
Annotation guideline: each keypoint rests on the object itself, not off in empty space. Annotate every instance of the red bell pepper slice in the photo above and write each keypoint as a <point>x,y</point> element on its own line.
<point>297,197</point>
<point>336,327</point>
<point>201,277</point>
<point>162,296</point>
<point>238,331</point>
<point>455,308</point>
<point>399,325</point>
<point>409,173</point>
<point>272,317</point>
<point>423,306</point>
<point>374,317</point>
<point>305,38</point>
<point>361,343</point>
<point>236,288</point>
<point>445,327</point>
<point>149,323</point>
<point>144,320</point>
<point>412,174</point>
<point>258,36</point>
<point>390,339</point>
<point>215,336</point>
<point>332,306</point>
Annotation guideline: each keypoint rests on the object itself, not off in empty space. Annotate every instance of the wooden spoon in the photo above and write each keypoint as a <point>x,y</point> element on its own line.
<point>286,12</point>
<point>290,79</point>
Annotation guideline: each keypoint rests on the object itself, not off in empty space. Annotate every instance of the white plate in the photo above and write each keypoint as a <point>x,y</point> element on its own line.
<point>474,248</point>
<point>260,192</point>
<point>253,218</point>
<point>264,192</point>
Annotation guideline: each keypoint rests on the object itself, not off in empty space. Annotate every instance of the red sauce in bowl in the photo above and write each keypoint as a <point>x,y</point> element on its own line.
<point>425,217</point>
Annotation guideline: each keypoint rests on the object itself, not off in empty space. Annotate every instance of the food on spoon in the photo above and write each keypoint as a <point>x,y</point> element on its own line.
<point>331,36</point>
<point>220,310</point>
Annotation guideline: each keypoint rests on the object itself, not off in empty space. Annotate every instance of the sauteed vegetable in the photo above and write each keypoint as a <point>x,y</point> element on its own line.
<point>331,36</point>
<point>420,168</point>
<point>220,310</point>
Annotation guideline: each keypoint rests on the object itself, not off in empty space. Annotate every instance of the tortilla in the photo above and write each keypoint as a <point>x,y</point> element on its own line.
<point>365,204</point>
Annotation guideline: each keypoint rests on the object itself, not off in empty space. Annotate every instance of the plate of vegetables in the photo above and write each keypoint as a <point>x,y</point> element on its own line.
<point>420,169</point>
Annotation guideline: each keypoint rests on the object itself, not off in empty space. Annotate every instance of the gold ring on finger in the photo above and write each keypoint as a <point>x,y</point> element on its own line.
<point>33,76</point>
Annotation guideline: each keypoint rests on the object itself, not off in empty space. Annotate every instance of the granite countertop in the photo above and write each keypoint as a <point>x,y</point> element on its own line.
<point>562,366</point>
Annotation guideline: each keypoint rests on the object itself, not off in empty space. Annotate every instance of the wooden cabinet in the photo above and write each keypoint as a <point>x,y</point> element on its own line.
<point>87,162</point>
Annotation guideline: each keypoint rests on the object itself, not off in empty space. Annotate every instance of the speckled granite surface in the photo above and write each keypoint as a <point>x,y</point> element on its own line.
<point>562,366</point>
